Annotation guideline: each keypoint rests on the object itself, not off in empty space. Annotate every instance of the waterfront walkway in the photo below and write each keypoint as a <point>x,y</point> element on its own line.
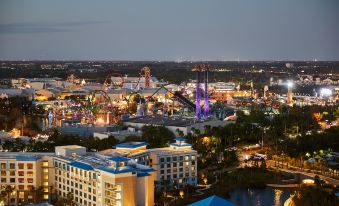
<point>330,180</point>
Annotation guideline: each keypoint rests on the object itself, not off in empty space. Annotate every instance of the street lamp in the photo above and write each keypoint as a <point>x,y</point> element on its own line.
<point>181,193</point>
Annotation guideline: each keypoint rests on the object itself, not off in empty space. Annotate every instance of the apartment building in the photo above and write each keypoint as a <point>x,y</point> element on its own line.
<point>92,179</point>
<point>175,165</point>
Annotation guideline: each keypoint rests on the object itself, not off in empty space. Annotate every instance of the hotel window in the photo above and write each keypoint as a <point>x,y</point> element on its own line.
<point>12,180</point>
<point>162,159</point>
<point>3,166</point>
<point>46,170</point>
<point>187,163</point>
<point>45,184</point>
<point>21,166</point>
<point>3,180</point>
<point>193,162</point>
<point>174,159</point>
<point>3,173</point>
<point>45,163</point>
<point>21,180</point>
<point>46,197</point>
<point>181,158</point>
<point>168,159</point>
<point>193,157</point>
<point>181,164</point>
<point>186,157</point>
<point>162,166</point>
<point>21,173</point>
<point>30,166</point>
<point>30,180</point>
<point>174,164</point>
<point>12,166</point>
<point>21,195</point>
<point>30,174</point>
<point>21,187</point>
<point>45,177</point>
<point>11,173</point>
<point>168,165</point>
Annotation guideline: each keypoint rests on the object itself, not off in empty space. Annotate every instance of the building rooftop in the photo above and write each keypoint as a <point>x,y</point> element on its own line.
<point>213,201</point>
<point>70,147</point>
<point>166,121</point>
<point>130,145</point>
<point>95,161</point>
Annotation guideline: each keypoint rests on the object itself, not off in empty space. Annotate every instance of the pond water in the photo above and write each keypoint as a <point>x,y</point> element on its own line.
<point>260,197</point>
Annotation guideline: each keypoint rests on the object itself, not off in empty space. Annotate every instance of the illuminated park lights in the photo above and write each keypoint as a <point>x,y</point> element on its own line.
<point>325,92</point>
<point>100,121</point>
<point>289,84</point>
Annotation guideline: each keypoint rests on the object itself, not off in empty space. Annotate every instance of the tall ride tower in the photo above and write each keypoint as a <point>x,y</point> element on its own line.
<point>201,69</point>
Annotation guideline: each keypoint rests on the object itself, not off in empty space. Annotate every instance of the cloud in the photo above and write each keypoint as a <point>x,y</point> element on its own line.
<point>44,27</point>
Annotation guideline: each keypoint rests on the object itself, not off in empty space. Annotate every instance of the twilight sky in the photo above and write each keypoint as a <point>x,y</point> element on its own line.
<point>169,29</point>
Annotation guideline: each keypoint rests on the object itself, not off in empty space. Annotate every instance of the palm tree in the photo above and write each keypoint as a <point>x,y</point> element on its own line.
<point>69,198</point>
<point>3,195</point>
<point>8,191</point>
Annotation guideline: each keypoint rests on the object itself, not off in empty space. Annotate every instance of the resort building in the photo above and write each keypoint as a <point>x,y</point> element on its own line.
<point>92,179</point>
<point>175,165</point>
<point>27,175</point>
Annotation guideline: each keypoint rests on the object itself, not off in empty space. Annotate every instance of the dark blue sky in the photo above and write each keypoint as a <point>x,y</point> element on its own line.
<point>169,29</point>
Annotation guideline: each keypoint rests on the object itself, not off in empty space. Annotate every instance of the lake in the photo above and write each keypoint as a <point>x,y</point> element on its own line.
<point>260,197</point>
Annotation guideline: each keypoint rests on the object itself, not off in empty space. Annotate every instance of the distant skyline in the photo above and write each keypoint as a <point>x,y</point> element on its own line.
<point>176,30</point>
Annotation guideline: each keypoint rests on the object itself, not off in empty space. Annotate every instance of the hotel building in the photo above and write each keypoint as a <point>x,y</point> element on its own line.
<point>27,175</point>
<point>175,165</point>
<point>93,179</point>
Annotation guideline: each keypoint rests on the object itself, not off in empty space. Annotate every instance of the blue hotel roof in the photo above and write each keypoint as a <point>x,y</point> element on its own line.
<point>180,139</point>
<point>27,157</point>
<point>80,165</point>
<point>180,145</point>
<point>118,159</point>
<point>213,201</point>
<point>118,170</point>
<point>130,145</point>
<point>143,174</point>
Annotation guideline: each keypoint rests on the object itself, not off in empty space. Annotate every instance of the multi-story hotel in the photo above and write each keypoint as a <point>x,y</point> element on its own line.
<point>175,165</point>
<point>27,175</point>
<point>92,179</point>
